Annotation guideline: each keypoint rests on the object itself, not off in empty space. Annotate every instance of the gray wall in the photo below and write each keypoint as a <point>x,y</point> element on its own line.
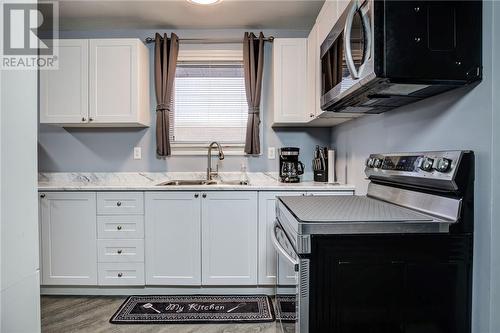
<point>460,119</point>
<point>111,149</point>
<point>495,232</point>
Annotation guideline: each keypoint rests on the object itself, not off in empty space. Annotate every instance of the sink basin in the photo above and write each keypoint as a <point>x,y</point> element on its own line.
<point>187,182</point>
<point>196,182</point>
<point>233,182</point>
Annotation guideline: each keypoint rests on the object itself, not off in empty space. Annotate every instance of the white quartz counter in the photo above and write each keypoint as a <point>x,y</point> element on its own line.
<point>148,181</point>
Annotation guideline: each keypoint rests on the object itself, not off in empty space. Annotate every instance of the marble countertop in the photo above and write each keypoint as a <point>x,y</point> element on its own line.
<point>148,181</point>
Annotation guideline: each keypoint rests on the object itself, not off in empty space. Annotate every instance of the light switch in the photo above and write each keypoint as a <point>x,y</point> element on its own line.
<point>137,153</point>
<point>271,153</point>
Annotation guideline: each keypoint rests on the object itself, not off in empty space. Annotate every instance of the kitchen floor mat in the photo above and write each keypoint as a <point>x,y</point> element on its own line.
<point>194,309</point>
<point>286,308</point>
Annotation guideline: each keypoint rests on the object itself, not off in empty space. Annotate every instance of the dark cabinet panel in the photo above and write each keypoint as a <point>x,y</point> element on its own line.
<point>369,297</point>
<point>391,284</point>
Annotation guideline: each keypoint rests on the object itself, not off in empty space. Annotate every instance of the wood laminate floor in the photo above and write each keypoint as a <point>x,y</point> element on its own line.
<point>64,314</point>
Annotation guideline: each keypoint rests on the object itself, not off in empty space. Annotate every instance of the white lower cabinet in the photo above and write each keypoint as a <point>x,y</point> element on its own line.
<point>229,238</point>
<point>193,239</point>
<point>268,265</point>
<point>68,237</point>
<point>173,238</point>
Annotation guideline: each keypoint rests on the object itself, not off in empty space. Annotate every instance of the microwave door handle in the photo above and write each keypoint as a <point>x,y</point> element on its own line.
<point>347,40</point>
<point>368,33</point>
<point>279,248</point>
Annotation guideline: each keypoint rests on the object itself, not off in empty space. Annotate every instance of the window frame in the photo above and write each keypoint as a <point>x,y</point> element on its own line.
<point>212,52</point>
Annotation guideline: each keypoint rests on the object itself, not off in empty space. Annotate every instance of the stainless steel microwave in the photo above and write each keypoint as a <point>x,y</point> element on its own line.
<point>382,54</point>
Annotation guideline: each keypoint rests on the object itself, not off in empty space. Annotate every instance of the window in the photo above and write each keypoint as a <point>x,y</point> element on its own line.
<point>209,102</point>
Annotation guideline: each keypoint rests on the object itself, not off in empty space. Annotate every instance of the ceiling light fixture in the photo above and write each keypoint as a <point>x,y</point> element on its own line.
<point>205,2</point>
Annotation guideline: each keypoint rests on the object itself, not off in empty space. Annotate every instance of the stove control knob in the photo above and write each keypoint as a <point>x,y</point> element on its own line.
<point>377,163</point>
<point>443,165</point>
<point>426,164</point>
<point>369,162</point>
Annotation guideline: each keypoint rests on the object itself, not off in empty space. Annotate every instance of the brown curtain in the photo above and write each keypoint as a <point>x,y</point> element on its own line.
<point>166,51</point>
<point>253,62</point>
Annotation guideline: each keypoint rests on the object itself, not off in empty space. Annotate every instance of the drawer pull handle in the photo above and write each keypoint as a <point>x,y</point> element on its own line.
<point>119,227</point>
<point>196,195</point>
<point>119,203</point>
<point>204,195</point>
<point>120,275</point>
<point>119,251</point>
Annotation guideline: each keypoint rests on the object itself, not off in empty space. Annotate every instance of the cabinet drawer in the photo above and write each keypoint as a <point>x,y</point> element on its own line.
<point>120,203</point>
<point>120,226</point>
<point>120,250</point>
<point>121,274</point>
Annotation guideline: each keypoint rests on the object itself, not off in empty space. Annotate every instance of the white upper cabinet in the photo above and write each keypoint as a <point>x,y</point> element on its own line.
<point>229,238</point>
<point>297,84</point>
<point>173,238</point>
<point>101,82</point>
<point>64,92</point>
<point>68,238</point>
<point>119,81</point>
<point>290,76</point>
<point>313,74</point>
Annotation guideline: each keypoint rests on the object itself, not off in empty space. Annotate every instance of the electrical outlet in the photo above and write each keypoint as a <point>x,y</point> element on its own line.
<point>137,153</point>
<point>271,153</point>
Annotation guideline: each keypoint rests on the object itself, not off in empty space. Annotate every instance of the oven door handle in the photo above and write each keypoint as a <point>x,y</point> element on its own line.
<point>278,246</point>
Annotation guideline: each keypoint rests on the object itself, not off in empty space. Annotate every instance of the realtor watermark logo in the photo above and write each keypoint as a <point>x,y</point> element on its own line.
<point>30,35</point>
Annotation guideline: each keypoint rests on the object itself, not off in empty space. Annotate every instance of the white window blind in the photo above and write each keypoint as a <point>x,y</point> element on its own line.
<point>209,103</point>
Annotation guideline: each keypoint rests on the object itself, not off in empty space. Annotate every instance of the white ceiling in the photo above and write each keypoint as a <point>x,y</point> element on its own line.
<point>180,14</point>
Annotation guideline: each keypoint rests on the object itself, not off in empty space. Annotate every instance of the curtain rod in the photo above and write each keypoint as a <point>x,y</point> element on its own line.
<point>210,41</point>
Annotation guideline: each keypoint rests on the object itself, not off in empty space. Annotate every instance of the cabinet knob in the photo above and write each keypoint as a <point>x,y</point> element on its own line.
<point>42,196</point>
<point>91,119</point>
<point>120,274</point>
<point>204,195</point>
<point>119,251</point>
<point>119,227</point>
<point>84,119</point>
<point>196,195</point>
<point>311,115</point>
<point>119,203</point>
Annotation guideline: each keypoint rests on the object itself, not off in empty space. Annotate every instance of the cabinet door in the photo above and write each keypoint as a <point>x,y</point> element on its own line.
<point>267,254</point>
<point>64,92</point>
<point>229,238</point>
<point>68,233</point>
<point>290,80</point>
<point>173,238</point>
<point>313,74</point>
<point>113,80</point>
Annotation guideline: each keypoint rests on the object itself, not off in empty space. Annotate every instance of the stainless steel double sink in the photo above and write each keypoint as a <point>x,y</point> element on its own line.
<point>204,182</point>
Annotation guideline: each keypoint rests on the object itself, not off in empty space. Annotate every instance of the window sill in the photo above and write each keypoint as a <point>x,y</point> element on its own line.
<point>186,149</point>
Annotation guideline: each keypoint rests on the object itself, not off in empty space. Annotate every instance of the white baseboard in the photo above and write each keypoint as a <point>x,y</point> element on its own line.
<point>127,291</point>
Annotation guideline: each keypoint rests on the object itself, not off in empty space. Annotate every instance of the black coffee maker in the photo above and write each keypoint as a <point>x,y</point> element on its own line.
<point>290,167</point>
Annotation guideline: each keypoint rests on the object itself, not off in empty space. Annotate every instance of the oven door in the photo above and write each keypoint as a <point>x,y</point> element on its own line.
<point>292,286</point>
<point>346,54</point>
